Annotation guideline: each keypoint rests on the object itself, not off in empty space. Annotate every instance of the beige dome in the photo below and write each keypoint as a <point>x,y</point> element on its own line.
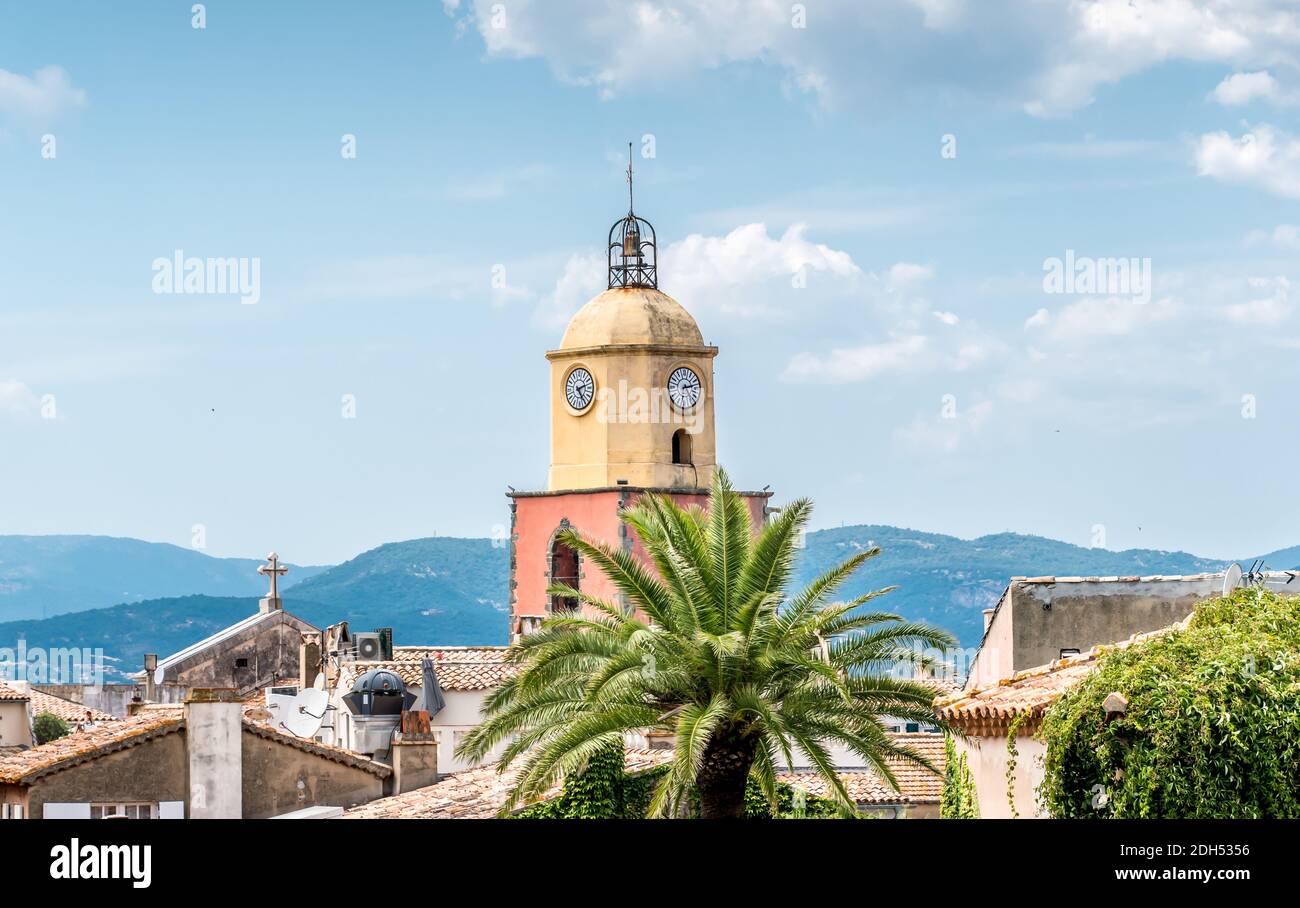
<point>632,315</point>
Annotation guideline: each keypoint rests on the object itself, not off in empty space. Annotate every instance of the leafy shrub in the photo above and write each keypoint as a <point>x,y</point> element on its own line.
<point>958,801</point>
<point>604,791</point>
<point>47,727</point>
<point>1211,728</point>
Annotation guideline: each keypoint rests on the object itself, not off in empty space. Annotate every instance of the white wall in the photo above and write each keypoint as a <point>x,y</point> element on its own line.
<point>987,758</point>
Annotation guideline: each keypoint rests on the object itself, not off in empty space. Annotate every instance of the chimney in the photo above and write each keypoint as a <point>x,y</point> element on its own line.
<point>988,618</point>
<point>150,666</point>
<point>309,660</point>
<point>214,731</point>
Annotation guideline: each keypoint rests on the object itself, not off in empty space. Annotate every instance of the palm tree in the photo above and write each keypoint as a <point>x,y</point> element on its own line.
<point>709,647</point>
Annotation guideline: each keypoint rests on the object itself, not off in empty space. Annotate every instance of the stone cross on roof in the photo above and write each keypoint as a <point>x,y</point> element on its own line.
<point>274,571</point>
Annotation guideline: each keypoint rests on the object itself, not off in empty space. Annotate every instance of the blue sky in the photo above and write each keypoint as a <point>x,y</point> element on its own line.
<point>922,377</point>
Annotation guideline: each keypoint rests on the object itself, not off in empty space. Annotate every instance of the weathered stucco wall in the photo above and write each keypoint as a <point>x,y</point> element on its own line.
<point>154,770</point>
<point>279,779</point>
<point>987,758</point>
<point>1087,614</point>
<point>270,650</point>
<point>993,661</point>
<point>15,724</point>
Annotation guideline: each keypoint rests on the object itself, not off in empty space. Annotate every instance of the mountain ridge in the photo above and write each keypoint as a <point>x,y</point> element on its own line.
<point>453,590</point>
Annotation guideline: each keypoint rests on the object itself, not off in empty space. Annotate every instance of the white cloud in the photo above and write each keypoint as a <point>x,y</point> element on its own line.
<point>16,399</point>
<point>699,265</point>
<point>746,271</point>
<point>41,97</point>
<point>1049,57</point>
<point>1096,316</point>
<point>1241,88</point>
<point>906,274</point>
<point>948,318</point>
<point>583,277</point>
<point>850,364</point>
<point>1273,308</point>
<point>1284,236</point>
<point>1038,319</point>
<point>1265,158</point>
<point>944,434</point>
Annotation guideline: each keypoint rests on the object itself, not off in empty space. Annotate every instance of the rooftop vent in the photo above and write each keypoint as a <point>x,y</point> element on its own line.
<point>379,692</point>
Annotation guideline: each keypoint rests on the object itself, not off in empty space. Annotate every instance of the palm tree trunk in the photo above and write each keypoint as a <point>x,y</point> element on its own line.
<point>723,774</point>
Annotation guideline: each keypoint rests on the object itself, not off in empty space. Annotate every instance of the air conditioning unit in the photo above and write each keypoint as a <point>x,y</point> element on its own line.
<point>369,647</point>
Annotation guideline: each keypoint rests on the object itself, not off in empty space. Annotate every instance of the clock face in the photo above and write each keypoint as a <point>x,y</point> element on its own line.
<point>684,388</point>
<point>579,389</point>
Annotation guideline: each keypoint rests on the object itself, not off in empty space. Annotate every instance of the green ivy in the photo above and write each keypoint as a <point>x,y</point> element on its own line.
<point>958,800</point>
<point>1211,728</point>
<point>1013,757</point>
<point>604,791</point>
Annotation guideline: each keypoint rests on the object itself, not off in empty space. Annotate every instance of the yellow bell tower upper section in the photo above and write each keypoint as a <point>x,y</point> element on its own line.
<point>632,396</point>
<point>632,381</point>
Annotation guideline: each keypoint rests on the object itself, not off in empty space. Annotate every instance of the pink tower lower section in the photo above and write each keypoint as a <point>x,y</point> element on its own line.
<point>537,559</point>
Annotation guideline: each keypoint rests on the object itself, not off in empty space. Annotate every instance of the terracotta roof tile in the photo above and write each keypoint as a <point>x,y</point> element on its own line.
<point>989,710</point>
<point>80,746</point>
<point>12,694</point>
<point>475,794</point>
<point>461,668</point>
<point>26,766</point>
<point>916,784</point>
<point>67,710</point>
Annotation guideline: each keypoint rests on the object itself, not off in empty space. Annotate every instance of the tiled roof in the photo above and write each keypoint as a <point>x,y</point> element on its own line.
<point>12,694</point>
<point>458,667</point>
<point>28,765</point>
<point>328,751</point>
<point>67,710</point>
<point>942,687</point>
<point>989,710</point>
<point>916,784</point>
<point>475,794</point>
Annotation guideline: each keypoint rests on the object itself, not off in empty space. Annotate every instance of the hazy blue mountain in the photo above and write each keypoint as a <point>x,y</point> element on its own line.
<point>126,632</point>
<point>436,590</point>
<point>949,581</point>
<point>1281,560</point>
<point>453,591</point>
<point>42,576</point>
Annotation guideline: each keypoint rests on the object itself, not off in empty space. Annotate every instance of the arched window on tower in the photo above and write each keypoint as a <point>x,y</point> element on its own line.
<point>564,569</point>
<point>682,447</point>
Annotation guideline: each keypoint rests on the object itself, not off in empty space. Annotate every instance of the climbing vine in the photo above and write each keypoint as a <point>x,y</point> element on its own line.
<point>1209,725</point>
<point>958,800</point>
<point>1013,755</point>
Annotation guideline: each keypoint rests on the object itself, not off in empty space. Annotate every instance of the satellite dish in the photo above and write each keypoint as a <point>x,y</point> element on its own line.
<point>302,716</point>
<point>1231,578</point>
<point>319,683</point>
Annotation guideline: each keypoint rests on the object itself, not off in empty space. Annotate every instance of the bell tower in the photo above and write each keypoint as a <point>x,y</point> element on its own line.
<point>632,411</point>
<point>632,380</point>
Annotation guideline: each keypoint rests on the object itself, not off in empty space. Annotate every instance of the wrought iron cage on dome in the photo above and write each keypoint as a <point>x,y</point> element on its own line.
<point>632,254</point>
